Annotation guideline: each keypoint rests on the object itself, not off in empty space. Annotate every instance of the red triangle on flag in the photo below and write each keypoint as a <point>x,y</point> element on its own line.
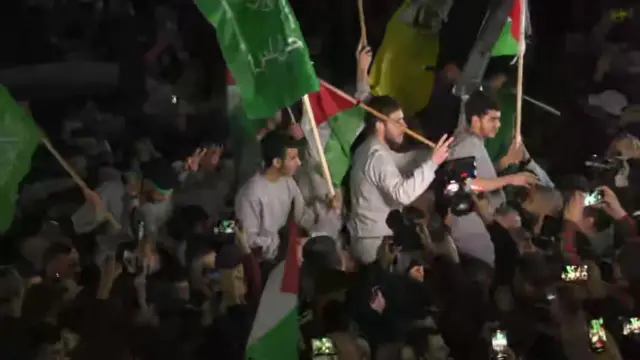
<point>516,19</point>
<point>291,277</point>
<point>326,102</point>
<point>230,80</point>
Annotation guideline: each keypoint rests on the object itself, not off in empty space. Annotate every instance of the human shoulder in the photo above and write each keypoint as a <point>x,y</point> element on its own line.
<point>467,144</point>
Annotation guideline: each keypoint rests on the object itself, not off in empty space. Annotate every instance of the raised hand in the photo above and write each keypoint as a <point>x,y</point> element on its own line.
<point>441,151</point>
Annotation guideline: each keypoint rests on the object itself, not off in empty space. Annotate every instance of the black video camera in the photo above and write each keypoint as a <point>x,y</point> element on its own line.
<point>452,185</point>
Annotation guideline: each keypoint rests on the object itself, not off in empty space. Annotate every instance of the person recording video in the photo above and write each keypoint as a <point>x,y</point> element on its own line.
<point>377,186</point>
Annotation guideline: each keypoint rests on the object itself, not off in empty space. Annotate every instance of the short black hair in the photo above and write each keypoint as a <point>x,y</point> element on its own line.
<point>536,270</point>
<point>53,251</point>
<point>385,105</point>
<point>275,145</point>
<point>478,104</point>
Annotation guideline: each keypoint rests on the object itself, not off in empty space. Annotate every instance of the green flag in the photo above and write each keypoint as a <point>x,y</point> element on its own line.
<point>263,46</point>
<point>19,138</point>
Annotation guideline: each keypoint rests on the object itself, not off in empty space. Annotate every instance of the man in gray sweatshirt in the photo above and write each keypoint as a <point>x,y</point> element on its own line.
<point>377,186</point>
<point>265,202</point>
<point>483,121</point>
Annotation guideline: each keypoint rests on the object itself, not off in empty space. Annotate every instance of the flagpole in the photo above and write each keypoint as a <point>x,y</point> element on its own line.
<point>75,177</point>
<point>369,109</point>
<point>521,48</point>
<point>363,26</point>
<point>318,144</point>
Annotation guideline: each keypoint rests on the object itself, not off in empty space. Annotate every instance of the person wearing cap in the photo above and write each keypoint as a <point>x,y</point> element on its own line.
<point>116,196</point>
<point>145,195</point>
<point>264,202</point>
<point>377,186</point>
<point>159,183</point>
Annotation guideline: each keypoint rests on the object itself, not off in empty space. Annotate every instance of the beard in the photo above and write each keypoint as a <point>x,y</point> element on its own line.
<point>392,143</point>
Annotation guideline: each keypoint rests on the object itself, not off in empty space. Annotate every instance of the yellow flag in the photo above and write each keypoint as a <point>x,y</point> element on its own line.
<point>399,66</point>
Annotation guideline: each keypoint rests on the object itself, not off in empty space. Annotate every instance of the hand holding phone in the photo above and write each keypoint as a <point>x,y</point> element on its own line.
<point>323,347</point>
<point>631,327</point>
<point>593,198</point>
<point>597,335</point>
<point>572,273</point>
<point>499,344</point>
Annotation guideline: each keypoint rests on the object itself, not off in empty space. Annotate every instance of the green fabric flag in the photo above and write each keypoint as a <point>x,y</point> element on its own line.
<point>263,46</point>
<point>345,126</point>
<point>19,138</point>
<point>498,146</point>
<point>507,44</point>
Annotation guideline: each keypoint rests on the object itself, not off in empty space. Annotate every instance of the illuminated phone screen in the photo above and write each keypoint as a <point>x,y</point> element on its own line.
<point>575,273</point>
<point>597,335</point>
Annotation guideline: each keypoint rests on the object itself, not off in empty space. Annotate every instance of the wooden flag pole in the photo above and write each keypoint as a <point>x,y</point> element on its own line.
<point>75,177</point>
<point>318,143</point>
<point>519,88</point>
<point>363,25</point>
<point>355,102</point>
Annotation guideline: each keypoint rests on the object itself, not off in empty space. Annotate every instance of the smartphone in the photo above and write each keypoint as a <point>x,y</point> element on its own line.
<point>597,335</point>
<point>323,347</point>
<point>225,227</point>
<point>140,230</point>
<point>130,261</point>
<point>631,326</point>
<point>572,273</point>
<point>594,198</point>
<point>621,14</point>
<point>499,344</point>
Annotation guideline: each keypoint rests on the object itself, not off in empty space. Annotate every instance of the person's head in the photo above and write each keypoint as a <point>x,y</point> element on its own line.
<point>497,81</point>
<point>322,253</point>
<point>483,114</point>
<point>280,153</point>
<point>160,179</point>
<point>534,275</point>
<point>11,288</point>
<point>624,145</point>
<point>186,221</point>
<point>60,262</point>
<point>390,132</point>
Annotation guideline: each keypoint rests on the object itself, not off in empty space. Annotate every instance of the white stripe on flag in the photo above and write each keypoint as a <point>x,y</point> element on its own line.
<point>274,305</point>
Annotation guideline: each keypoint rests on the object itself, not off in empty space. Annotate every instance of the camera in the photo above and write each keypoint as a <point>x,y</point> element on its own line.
<point>452,179</point>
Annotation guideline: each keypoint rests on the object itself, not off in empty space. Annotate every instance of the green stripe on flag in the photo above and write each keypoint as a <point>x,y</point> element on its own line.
<point>506,43</point>
<point>19,138</point>
<point>280,342</point>
<point>345,126</point>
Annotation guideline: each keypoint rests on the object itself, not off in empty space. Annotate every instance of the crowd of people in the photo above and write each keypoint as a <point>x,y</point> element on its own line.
<point>467,250</point>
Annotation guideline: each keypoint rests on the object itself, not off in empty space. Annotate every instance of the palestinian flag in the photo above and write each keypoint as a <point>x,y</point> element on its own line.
<point>275,334</point>
<point>509,40</point>
<point>19,138</point>
<point>339,121</point>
